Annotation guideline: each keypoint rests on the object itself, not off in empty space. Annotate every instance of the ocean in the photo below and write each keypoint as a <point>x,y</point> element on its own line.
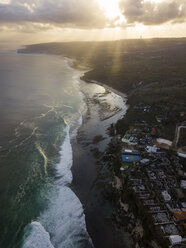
<point>41,109</point>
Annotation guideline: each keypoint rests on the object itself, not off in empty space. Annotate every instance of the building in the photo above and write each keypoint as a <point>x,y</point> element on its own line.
<point>130,139</point>
<point>183,204</point>
<point>180,215</point>
<point>130,155</point>
<point>164,142</point>
<point>183,184</point>
<point>166,196</point>
<point>151,149</point>
<point>175,239</point>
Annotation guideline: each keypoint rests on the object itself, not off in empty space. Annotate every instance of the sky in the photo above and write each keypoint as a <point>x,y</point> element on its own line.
<point>32,21</point>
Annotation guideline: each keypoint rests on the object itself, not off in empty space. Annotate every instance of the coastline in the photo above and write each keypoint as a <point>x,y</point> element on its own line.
<point>92,178</point>
<point>124,96</point>
<point>90,174</point>
<point>73,63</point>
<point>126,218</point>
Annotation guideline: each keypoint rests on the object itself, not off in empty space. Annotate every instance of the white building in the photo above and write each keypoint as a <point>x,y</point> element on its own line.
<point>183,184</point>
<point>181,155</point>
<point>151,149</point>
<point>164,142</point>
<point>166,196</point>
<point>175,239</point>
<point>145,161</point>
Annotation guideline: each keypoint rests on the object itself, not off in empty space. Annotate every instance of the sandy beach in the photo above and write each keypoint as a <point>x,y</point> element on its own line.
<point>90,175</point>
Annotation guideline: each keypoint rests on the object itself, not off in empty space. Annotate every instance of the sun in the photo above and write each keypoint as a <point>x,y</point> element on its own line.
<point>110,7</point>
<point>154,1</point>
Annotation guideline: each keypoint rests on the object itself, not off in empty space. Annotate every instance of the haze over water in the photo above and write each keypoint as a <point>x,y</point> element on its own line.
<point>39,102</point>
<point>41,109</point>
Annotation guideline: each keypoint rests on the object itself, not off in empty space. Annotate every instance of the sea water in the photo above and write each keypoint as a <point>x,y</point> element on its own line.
<point>41,105</point>
<point>41,109</point>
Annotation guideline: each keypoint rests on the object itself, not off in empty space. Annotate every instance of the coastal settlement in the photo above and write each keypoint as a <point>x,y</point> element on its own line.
<point>145,158</point>
<point>149,178</point>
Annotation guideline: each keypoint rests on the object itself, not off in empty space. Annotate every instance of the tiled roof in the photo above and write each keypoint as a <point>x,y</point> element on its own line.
<point>180,215</point>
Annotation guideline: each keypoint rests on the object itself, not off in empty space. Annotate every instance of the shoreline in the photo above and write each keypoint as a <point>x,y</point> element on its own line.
<point>124,96</point>
<point>126,217</point>
<point>72,63</point>
<point>89,183</point>
<point>103,230</point>
<point>91,155</point>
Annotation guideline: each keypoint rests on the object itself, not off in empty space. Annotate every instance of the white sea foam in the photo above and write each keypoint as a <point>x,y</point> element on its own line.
<point>84,107</point>
<point>38,237</point>
<point>65,164</point>
<point>64,217</point>
<point>63,220</point>
<point>76,120</point>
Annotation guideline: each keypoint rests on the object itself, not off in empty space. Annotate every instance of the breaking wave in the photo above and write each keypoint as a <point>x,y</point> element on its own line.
<point>62,224</point>
<point>37,236</point>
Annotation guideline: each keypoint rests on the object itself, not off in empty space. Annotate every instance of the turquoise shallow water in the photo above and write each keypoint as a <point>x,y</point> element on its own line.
<point>40,102</point>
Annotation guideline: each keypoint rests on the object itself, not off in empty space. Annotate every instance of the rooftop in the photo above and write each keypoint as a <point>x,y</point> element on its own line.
<point>174,239</point>
<point>180,215</point>
<point>129,151</point>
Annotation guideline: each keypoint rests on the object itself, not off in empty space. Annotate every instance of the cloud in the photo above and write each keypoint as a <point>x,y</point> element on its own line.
<point>86,14</point>
<point>68,13</point>
<point>153,13</point>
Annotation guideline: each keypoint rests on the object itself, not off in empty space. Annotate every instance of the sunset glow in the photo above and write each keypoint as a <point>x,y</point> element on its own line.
<point>110,8</point>
<point>68,20</point>
<point>154,1</point>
